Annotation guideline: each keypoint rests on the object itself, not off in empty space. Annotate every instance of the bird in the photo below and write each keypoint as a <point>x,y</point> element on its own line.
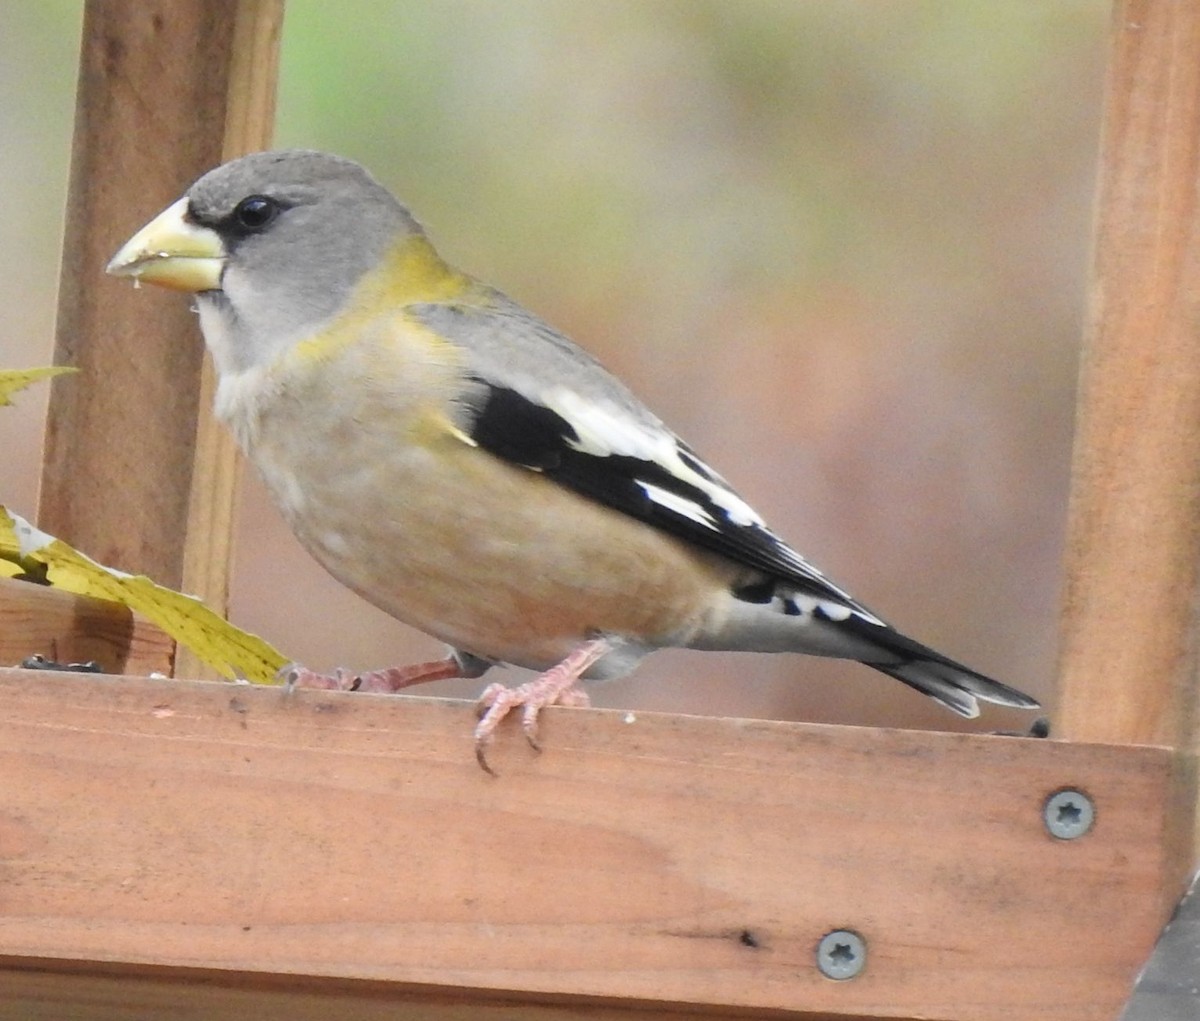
<point>470,470</point>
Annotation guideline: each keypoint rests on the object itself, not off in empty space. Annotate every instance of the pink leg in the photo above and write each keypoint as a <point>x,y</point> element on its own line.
<point>388,681</point>
<point>555,686</point>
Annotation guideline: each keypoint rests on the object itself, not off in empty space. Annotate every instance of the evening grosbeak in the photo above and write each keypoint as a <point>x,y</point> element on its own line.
<point>467,468</point>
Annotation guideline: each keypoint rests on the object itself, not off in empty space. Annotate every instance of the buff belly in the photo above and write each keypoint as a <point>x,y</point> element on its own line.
<point>492,558</point>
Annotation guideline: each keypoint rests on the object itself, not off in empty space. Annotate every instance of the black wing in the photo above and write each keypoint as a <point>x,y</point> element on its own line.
<point>705,512</point>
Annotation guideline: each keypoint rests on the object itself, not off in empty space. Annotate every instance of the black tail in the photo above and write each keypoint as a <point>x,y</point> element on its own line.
<point>953,685</point>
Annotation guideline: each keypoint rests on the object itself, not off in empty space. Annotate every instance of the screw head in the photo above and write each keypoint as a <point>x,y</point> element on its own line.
<point>1068,814</point>
<point>841,954</point>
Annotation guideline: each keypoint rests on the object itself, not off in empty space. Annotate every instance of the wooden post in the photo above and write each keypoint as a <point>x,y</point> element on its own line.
<point>134,473</point>
<point>249,126</point>
<point>1129,650</point>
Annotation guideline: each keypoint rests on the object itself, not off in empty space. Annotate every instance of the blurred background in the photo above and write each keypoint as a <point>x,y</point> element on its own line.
<point>841,247</point>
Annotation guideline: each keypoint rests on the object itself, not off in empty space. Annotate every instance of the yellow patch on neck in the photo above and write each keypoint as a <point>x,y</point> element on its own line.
<point>411,272</point>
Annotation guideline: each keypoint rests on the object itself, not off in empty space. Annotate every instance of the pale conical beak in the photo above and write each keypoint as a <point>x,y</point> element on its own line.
<point>173,253</point>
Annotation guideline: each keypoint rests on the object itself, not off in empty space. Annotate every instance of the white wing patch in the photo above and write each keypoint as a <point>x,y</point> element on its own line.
<point>605,430</point>
<point>679,504</point>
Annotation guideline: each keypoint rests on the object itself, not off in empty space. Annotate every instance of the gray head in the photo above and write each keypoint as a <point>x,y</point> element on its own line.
<point>272,243</point>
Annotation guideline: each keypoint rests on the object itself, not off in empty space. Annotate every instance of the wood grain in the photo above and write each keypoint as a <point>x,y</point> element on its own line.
<point>120,435</point>
<point>73,629</point>
<point>135,473</point>
<point>1128,670</point>
<point>670,862</point>
<point>249,126</point>
<point>47,995</point>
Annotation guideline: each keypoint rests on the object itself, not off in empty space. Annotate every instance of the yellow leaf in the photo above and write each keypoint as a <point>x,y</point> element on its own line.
<point>229,650</point>
<point>12,380</point>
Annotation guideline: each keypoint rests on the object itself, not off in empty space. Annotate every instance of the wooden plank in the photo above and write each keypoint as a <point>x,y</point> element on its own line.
<point>1129,648</point>
<point>670,862</point>
<point>249,126</point>
<point>53,996</point>
<point>120,437</point>
<point>74,629</point>
<point>133,465</point>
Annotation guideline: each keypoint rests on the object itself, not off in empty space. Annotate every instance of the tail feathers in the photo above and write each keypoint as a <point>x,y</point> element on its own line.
<point>953,685</point>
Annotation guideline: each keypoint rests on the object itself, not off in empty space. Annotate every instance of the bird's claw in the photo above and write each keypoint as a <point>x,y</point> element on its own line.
<point>497,701</point>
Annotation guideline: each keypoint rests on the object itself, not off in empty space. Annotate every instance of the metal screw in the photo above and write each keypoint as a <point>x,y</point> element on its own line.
<point>841,954</point>
<point>1068,813</point>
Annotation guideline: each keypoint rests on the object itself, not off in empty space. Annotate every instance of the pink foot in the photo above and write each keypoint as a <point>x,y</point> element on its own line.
<point>387,681</point>
<point>555,687</point>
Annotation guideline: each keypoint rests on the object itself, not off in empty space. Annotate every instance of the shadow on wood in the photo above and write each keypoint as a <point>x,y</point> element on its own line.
<point>68,628</point>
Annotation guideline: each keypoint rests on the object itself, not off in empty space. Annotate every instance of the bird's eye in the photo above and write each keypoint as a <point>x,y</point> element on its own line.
<point>255,212</point>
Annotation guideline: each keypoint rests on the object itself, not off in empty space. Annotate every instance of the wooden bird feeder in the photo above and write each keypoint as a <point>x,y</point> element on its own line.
<point>243,853</point>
